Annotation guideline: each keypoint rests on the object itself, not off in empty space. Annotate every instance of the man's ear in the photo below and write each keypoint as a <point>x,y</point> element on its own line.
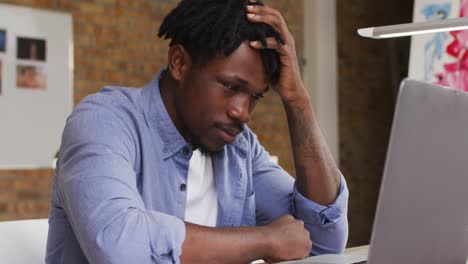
<point>178,61</point>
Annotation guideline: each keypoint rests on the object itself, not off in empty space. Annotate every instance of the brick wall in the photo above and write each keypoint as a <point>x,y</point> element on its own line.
<point>116,44</point>
<point>368,71</point>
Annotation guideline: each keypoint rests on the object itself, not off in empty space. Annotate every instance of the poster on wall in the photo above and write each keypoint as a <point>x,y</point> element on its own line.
<point>31,49</point>
<point>30,77</point>
<point>440,58</point>
<point>36,84</point>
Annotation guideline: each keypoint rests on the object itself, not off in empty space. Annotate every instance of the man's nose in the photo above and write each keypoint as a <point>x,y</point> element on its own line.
<point>239,108</point>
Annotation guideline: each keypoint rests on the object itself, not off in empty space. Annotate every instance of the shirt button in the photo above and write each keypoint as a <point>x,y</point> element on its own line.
<point>183,187</point>
<point>186,151</point>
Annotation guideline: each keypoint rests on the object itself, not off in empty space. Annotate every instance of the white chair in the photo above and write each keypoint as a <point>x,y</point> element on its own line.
<point>23,241</point>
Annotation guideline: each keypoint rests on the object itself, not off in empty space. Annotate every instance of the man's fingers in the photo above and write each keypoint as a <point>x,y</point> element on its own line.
<point>257,13</point>
<point>270,16</point>
<point>271,43</point>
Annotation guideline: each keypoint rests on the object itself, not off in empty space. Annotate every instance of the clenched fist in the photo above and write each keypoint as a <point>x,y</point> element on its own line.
<point>289,239</point>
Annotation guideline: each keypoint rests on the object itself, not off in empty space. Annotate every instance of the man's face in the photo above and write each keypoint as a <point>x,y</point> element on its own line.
<point>216,99</point>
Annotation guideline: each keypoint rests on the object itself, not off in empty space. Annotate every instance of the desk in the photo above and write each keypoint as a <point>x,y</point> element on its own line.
<point>357,251</point>
<point>354,252</point>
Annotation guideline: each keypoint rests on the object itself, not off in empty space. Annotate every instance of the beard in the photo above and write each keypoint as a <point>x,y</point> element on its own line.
<point>197,144</point>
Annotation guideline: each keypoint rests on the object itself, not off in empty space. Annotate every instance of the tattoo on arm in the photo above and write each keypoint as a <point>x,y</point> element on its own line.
<point>316,173</point>
<point>302,135</point>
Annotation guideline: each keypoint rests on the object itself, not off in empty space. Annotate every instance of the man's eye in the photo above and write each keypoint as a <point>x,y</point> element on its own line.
<point>257,96</point>
<point>232,87</point>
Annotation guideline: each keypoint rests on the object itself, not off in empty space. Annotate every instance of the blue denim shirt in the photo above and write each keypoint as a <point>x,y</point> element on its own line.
<point>119,191</point>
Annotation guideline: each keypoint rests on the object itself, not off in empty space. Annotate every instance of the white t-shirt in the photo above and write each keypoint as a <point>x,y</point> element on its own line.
<point>202,198</point>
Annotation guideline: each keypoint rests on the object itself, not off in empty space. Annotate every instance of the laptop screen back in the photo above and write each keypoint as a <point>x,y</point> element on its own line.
<point>422,213</point>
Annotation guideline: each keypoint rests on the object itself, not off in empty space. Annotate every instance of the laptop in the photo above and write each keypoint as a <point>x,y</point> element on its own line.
<point>422,212</point>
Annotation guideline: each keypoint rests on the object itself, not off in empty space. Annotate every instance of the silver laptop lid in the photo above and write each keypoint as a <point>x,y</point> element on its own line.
<point>422,213</point>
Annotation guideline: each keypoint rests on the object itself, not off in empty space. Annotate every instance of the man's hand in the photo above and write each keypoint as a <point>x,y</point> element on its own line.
<point>289,86</point>
<point>289,239</point>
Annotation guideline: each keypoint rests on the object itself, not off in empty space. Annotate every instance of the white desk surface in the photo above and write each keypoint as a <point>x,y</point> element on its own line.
<point>360,251</point>
<point>351,252</point>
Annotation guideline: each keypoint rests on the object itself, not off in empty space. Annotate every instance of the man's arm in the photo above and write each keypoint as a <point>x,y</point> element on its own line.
<point>317,176</point>
<point>283,239</point>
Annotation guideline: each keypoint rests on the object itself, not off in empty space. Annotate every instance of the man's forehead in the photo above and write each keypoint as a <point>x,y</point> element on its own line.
<point>245,65</point>
<point>250,81</point>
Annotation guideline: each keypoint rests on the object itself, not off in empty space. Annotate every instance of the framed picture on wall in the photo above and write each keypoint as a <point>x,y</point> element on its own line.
<point>30,77</point>
<point>442,57</point>
<point>31,49</point>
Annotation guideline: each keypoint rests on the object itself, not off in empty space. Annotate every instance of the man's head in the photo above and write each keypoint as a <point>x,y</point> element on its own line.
<point>218,76</point>
<point>211,28</point>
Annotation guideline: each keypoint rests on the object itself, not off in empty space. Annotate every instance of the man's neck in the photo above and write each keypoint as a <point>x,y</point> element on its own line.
<point>168,88</point>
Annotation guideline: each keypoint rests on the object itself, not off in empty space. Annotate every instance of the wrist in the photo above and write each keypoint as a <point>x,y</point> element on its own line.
<point>295,96</point>
<point>270,244</point>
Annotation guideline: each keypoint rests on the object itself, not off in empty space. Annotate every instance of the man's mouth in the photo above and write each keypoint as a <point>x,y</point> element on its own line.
<point>228,134</point>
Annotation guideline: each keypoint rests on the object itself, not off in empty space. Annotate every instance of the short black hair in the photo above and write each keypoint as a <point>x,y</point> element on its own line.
<point>211,28</point>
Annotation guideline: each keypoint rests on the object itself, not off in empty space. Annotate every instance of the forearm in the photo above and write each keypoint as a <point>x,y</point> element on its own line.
<point>317,175</point>
<point>224,245</point>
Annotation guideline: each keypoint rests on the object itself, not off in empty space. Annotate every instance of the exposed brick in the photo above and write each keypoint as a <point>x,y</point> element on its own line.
<point>3,208</point>
<point>7,196</point>
<point>91,8</point>
<point>7,185</point>
<point>25,184</point>
<point>28,195</point>
<point>107,2</point>
<point>9,217</point>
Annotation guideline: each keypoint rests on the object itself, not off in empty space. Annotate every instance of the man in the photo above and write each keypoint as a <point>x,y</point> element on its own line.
<point>171,173</point>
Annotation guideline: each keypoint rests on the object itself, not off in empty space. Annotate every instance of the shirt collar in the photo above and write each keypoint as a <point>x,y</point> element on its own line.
<point>158,118</point>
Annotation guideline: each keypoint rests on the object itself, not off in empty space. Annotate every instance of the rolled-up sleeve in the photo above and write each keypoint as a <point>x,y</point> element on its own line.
<point>328,225</point>
<point>98,187</point>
